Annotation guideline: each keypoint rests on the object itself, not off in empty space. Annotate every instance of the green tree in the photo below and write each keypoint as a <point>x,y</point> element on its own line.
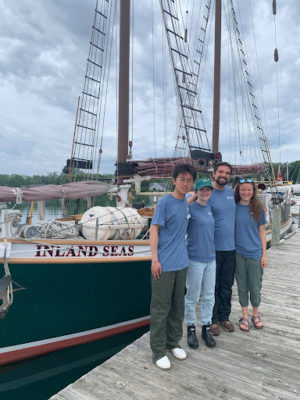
<point>17,180</point>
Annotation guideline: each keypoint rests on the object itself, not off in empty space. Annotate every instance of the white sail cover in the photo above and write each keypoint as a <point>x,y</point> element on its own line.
<point>72,190</point>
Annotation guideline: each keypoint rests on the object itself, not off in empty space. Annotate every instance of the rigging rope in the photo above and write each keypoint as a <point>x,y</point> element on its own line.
<point>107,70</point>
<point>164,75</point>
<point>205,50</point>
<point>153,78</point>
<point>277,85</point>
<point>117,90</point>
<point>94,97</point>
<point>132,69</point>
<point>186,80</point>
<point>258,69</point>
<point>247,106</point>
<point>261,137</point>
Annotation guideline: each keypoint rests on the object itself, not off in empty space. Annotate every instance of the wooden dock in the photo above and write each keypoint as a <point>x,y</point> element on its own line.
<point>261,364</point>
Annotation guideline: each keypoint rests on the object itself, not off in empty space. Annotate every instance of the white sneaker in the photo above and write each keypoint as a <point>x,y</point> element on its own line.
<point>163,363</point>
<point>179,353</point>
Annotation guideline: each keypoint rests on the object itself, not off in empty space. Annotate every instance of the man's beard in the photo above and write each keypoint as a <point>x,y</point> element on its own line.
<point>223,183</point>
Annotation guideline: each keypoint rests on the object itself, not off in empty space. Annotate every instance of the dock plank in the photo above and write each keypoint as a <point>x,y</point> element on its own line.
<point>261,364</point>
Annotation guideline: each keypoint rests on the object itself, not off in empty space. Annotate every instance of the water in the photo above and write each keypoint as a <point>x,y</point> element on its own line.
<point>52,211</point>
<point>42,377</point>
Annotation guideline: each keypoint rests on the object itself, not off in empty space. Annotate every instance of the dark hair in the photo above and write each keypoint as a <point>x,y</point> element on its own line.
<point>185,169</point>
<point>223,164</point>
<point>255,205</point>
<point>236,180</point>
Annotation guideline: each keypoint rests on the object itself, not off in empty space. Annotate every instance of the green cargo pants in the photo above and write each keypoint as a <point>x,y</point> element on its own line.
<point>167,312</point>
<point>249,274</point>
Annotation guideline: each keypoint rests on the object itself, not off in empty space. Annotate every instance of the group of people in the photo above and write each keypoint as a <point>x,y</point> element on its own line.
<point>199,242</point>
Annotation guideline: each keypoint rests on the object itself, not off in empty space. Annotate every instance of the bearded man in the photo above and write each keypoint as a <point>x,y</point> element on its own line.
<point>223,208</point>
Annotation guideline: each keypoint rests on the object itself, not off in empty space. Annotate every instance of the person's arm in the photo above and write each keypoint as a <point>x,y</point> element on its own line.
<point>262,234</point>
<point>155,265</point>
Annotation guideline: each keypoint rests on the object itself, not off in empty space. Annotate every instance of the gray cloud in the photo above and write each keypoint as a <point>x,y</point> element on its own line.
<point>43,51</point>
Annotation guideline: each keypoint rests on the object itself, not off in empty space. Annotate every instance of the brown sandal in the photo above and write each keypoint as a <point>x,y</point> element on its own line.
<point>244,324</point>
<point>257,323</point>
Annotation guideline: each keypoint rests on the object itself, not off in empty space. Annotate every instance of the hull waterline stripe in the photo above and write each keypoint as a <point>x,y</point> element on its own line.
<point>33,349</point>
<point>71,336</point>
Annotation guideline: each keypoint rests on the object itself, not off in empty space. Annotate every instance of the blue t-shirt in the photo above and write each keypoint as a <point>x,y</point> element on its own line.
<point>223,208</point>
<point>172,216</point>
<point>200,240</point>
<point>247,239</point>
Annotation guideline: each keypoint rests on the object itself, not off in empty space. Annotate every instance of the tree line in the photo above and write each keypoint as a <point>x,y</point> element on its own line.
<point>290,171</point>
<point>52,178</point>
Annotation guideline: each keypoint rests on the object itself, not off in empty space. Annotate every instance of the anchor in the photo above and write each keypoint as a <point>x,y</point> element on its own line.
<point>6,294</point>
<point>6,289</point>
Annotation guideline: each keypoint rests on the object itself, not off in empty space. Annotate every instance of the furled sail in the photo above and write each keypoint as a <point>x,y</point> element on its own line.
<point>163,167</point>
<point>72,190</point>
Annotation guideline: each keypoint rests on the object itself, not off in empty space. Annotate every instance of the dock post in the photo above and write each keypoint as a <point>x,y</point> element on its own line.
<point>276,223</point>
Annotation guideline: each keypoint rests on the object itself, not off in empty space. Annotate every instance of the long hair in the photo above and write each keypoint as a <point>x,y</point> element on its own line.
<point>255,205</point>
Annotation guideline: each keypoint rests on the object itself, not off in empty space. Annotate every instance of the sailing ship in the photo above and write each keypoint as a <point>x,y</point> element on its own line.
<point>61,292</point>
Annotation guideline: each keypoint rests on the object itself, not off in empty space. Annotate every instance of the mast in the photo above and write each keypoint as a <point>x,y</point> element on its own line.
<point>123,120</point>
<point>217,77</point>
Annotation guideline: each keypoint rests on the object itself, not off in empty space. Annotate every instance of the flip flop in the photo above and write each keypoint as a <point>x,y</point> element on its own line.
<point>244,324</point>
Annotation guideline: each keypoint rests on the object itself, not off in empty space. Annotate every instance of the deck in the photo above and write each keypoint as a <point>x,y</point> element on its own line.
<point>261,364</point>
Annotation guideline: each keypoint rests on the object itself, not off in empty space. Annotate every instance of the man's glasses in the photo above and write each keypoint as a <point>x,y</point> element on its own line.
<point>186,180</point>
<point>246,180</point>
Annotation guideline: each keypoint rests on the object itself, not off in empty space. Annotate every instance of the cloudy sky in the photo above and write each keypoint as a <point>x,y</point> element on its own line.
<point>43,50</point>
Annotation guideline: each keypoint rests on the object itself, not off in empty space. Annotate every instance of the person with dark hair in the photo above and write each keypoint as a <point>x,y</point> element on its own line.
<point>223,208</point>
<point>250,241</point>
<point>169,268</point>
<point>201,272</point>
<point>222,164</point>
<point>184,169</point>
<point>235,181</point>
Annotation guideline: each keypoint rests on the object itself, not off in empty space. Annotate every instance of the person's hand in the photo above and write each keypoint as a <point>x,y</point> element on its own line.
<point>263,262</point>
<point>156,269</point>
<point>192,197</point>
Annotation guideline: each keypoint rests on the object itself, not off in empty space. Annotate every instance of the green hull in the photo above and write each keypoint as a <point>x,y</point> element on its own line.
<point>70,299</point>
<point>41,377</point>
